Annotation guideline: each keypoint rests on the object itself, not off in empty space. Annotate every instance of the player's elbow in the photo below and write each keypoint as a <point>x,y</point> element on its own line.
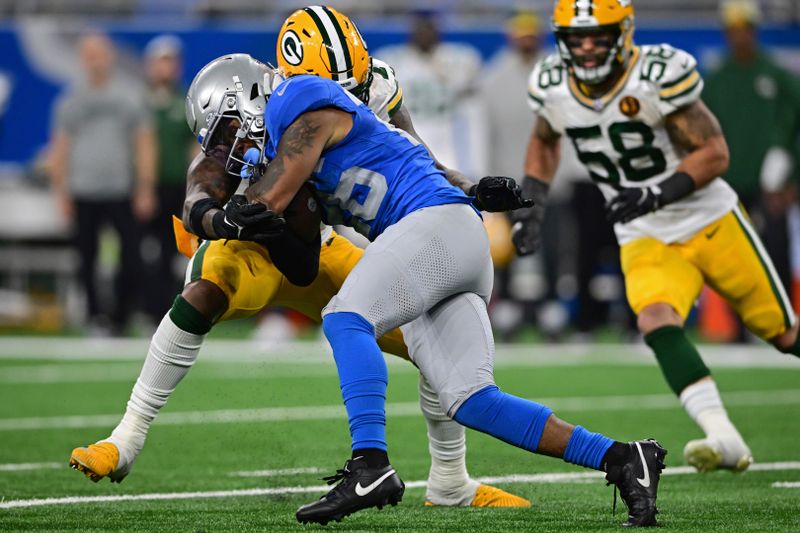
<point>718,154</point>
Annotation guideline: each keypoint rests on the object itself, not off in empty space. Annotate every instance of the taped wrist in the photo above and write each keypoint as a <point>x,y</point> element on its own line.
<point>675,187</point>
<point>196,214</point>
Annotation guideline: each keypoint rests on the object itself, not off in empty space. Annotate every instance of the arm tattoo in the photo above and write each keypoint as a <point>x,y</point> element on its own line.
<point>690,127</point>
<point>299,136</point>
<point>207,178</point>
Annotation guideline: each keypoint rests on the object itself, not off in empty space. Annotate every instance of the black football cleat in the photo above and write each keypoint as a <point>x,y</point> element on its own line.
<point>637,481</point>
<point>360,487</point>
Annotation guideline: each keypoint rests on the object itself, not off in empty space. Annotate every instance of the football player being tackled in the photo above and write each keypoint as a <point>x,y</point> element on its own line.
<point>428,270</point>
<point>250,264</point>
<point>637,122</point>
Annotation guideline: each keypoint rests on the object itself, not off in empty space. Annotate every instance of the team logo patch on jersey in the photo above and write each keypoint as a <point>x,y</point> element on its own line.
<point>630,106</point>
<point>292,48</point>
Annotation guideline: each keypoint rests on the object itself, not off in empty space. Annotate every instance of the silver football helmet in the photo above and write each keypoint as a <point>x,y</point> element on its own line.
<point>234,86</point>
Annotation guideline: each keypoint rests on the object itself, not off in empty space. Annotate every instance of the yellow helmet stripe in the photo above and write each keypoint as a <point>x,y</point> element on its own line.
<point>327,29</point>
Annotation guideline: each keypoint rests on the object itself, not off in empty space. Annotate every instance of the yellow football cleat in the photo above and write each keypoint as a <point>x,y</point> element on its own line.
<point>488,496</point>
<point>97,461</point>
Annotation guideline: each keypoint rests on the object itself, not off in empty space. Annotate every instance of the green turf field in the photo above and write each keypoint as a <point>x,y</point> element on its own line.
<point>245,439</point>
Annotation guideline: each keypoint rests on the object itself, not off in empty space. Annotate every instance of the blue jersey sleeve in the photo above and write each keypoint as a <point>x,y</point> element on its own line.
<point>296,96</point>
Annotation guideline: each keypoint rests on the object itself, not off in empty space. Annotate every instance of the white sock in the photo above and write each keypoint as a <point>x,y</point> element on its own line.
<point>171,354</point>
<point>702,402</point>
<point>448,480</point>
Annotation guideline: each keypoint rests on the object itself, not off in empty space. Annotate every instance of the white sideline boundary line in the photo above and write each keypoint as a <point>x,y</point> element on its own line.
<point>315,352</point>
<point>279,472</point>
<point>555,477</point>
<point>786,485</point>
<point>18,467</point>
<point>329,412</point>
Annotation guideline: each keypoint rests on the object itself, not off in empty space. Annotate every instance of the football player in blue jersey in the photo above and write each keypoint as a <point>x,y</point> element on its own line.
<point>428,266</point>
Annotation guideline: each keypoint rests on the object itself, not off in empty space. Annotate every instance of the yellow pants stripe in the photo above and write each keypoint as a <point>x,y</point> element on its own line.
<point>774,281</point>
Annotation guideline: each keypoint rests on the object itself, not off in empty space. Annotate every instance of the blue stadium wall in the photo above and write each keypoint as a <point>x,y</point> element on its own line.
<point>25,122</point>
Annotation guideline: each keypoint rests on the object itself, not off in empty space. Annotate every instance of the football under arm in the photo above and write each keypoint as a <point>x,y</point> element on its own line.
<point>695,131</point>
<point>402,120</point>
<point>298,152</point>
<point>297,260</point>
<point>544,151</point>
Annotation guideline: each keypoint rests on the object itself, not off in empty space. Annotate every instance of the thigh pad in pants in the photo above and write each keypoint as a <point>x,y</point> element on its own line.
<point>426,257</point>
<point>453,347</point>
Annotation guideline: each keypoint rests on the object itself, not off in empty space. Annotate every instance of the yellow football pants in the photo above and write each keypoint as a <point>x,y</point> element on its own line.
<point>728,256</point>
<point>245,273</point>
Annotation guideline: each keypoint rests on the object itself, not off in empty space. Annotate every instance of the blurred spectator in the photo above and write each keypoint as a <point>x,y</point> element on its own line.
<point>102,137</point>
<point>440,84</point>
<point>503,91</point>
<point>758,106</point>
<point>176,146</point>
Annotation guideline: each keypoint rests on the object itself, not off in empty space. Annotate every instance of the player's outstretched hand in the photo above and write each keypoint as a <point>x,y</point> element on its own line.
<point>631,203</point>
<point>499,193</point>
<point>248,222</point>
<point>527,228</point>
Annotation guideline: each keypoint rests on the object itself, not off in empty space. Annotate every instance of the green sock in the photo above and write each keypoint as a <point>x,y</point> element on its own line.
<point>794,349</point>
<point>188,318</point>
<point>679,359</point>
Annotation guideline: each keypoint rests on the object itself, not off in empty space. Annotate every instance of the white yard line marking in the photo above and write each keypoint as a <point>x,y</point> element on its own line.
<point>786,485</point>
<point>279,472</point>
<point>17,467</point>
<point>555,477</point>
<point>312,352</point>
<point>328,412</point>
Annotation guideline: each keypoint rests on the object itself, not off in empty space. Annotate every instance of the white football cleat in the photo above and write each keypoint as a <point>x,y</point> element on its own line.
<point>710,454</point>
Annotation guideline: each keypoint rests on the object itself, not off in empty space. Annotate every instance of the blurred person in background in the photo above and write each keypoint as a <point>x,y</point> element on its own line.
<point>757,104</point>
<point>577,241</point>
<point>102,167</point>
<point>176,148</point>
<point>440,84</point>
<point>636,119</point>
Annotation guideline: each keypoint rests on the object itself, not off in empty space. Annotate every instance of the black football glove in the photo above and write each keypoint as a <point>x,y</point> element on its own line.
<point>526,231</point>
<point>244,221</point>
<point>633,202</point>
<point>498,193</point>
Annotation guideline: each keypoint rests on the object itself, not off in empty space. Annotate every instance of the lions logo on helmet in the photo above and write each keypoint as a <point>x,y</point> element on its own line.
<point>586,17</point>
<point>321,41</point>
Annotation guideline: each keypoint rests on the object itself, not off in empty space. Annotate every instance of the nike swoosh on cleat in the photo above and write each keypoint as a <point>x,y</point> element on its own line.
<point>363,491</point>
<point>644,482</point>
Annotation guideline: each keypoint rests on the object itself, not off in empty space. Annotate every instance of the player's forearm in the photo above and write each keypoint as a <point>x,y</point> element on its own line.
<point>456,178</point>
<point>207,182</point>
<point>707,162</point>
<point>542,158</point>
<point>298,152</point>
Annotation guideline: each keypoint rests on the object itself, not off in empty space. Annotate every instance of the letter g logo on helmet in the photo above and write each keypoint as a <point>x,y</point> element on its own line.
<point>292,48</point>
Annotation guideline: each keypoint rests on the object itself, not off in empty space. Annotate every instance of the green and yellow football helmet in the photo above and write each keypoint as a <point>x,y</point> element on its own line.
<point>581,17</point>
<point>321,41</point>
